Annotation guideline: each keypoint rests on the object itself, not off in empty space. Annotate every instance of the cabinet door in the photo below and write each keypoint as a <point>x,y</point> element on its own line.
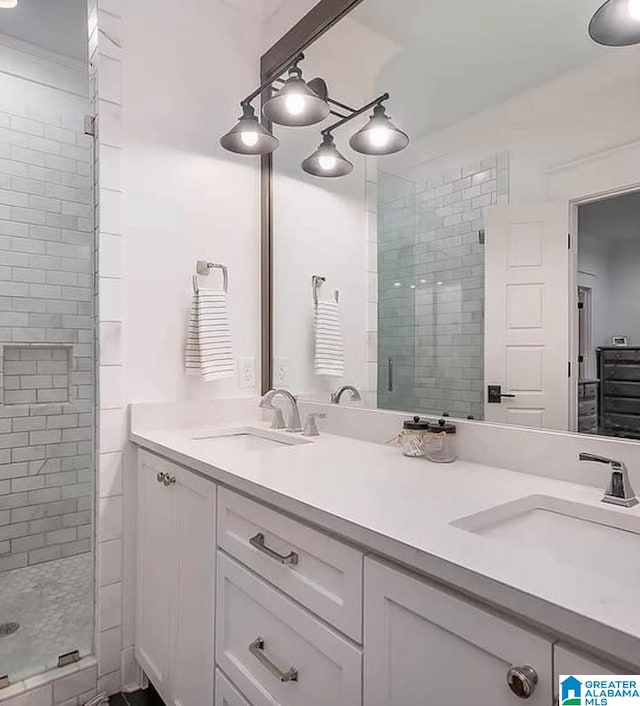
<point>155,588</point>
<point>193,668</point>
<point>569,661</point>
<point>425,646</point>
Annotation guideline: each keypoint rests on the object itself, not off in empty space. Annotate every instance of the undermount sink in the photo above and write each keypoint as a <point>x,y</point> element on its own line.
<point>582,536</point>
<point>248,439</point>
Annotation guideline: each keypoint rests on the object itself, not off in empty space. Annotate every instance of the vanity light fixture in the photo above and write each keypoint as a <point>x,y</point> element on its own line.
<point>379,137</point>
<point>8,4</point>
<point>616,23</point>
<point>327,161</point>
<point>249,136</point>
<point>296,104</point>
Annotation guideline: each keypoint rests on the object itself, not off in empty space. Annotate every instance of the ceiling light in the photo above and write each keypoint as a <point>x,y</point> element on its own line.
<point>379,136</point>
<point>326,161</point>
<point>8,4</point>
<point>248,136</point>
<point>616,23</point>
<point>297,104</point>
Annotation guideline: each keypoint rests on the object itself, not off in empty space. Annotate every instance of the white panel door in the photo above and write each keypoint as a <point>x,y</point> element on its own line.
<point>155,590</point>
<point>527,314</point>
<point>424,646</point>
<point>192,672</point>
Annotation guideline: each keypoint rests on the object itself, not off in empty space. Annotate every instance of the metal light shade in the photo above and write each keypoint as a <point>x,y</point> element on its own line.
<point>326,161</point>
<point>296,104</point>
<point>379,136</point>
<point>616,23</point>
<point>248,136</point>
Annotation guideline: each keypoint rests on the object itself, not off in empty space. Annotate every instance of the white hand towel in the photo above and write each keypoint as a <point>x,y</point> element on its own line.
<point>329,341</point>
<point>209,351</point>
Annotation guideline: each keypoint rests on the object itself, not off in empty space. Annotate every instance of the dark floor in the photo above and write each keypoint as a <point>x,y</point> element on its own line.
<point>148,697</point>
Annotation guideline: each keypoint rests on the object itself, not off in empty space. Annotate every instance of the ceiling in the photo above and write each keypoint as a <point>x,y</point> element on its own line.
<point>612,220</point>
<point>458,58</point>
<point>59,26</point>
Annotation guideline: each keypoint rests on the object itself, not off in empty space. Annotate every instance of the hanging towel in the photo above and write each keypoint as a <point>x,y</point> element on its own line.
<point>209,350</point>
<point>329,342</point>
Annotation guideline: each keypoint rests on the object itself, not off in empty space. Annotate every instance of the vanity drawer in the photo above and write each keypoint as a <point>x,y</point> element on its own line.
<point>226,692</point>
<point>275,651</point>
<point>318,571</point>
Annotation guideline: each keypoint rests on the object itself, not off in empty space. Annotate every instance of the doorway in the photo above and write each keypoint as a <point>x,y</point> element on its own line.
<point>608,282</point>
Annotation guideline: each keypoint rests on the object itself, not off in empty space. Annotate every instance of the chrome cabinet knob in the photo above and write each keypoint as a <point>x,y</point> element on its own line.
<point>160,477</point>
<point>522,681</point>
<point>169,480</point>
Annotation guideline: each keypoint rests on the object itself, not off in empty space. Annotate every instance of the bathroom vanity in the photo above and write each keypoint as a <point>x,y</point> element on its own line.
<point>274,569</point>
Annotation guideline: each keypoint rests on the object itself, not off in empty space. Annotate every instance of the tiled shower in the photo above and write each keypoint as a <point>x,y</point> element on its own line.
<point>431,288</point>
<point>47,386</point>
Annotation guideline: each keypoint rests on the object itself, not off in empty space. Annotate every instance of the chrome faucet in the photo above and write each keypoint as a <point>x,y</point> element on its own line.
<point>337,395</point>
<point>294,423</point>
<point>619,490</point>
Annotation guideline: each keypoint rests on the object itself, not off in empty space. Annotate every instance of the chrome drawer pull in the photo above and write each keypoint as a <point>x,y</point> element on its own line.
<point>258,543</point>
<point>257,650</point>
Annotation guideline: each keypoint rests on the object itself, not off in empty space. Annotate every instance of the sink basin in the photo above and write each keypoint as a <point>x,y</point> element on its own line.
<point>586,537</point>
<point>248,439</point>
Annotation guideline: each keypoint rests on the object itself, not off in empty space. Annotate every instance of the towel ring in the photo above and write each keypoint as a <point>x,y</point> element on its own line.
<point>203,268</point>
<point>316,282</point>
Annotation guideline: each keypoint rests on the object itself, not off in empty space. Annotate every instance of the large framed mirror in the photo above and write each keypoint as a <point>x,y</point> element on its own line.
<point>490,270</point>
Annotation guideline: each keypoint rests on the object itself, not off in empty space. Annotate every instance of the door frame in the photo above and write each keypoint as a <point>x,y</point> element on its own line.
<point>616,189</point>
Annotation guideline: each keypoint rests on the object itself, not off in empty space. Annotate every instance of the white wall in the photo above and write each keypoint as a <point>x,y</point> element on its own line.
<point>186,198</point>
<point>580,114</point>
<point>624,280</point>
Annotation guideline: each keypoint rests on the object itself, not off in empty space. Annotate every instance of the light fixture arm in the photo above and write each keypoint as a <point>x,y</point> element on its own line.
<point>378,101</point>
<point>269,82</point>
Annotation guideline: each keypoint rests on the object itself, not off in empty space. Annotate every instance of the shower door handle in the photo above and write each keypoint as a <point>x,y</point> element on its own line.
<point>390,374</point>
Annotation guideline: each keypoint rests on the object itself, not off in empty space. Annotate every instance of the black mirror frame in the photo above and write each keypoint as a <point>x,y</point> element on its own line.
<point>312,26</point>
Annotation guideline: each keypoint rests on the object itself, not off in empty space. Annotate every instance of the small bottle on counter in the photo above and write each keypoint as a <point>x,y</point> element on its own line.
<point>413,437</point>
<point>440,443</point>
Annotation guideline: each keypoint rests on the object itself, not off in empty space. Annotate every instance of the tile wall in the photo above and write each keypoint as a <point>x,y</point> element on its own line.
<point>431,288</point>
<point>46,339</point>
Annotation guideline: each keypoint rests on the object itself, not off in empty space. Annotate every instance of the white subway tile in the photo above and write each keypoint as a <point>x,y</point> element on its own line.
<point>109,518</point>
<point>109,562</point>
<point>109,643</point>
<point>109,606</point>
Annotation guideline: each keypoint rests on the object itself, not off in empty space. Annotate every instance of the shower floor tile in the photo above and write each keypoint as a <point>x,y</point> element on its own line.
<point>54,605</point>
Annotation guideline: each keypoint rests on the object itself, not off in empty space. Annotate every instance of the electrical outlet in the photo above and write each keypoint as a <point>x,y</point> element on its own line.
<point>247,373</point>
<point>281,371</point>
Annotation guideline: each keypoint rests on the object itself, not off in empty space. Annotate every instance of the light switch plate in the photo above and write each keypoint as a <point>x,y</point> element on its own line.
<point>281,371</point>
<point>247,373</point>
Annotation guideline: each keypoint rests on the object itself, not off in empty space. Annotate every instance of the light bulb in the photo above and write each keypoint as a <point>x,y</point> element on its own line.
<point>295,104</point>
<point>249,138</point>
<point>8,4</point>
<point>327,162</point>
<point>634,9</point>
<point>380,136</point>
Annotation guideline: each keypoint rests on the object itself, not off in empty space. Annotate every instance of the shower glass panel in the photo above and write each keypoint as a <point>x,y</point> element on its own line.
<point>47,339</point>
<point>431,287</point>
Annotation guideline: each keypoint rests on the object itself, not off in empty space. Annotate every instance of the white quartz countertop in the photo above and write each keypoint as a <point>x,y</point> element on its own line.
<point>401,508</point>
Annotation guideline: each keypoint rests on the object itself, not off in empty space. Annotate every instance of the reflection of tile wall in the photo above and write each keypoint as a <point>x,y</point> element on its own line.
<point>431,288</point>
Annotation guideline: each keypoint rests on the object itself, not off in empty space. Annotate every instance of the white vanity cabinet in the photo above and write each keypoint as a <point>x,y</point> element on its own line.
<point>425,645</point>
<point>175,580</point>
